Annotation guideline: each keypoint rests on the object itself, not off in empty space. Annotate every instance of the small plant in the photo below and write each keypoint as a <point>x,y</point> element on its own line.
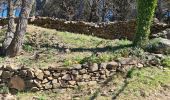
<point>153,45</point>
<point>28,48</point>
<point>166,62</point>
<point>42,98</point>
<point>4,90</point>
<point>67,63</point>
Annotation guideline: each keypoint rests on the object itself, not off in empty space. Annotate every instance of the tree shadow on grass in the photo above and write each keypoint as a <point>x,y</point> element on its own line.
<point>96,49</point>
<point>119,91</point>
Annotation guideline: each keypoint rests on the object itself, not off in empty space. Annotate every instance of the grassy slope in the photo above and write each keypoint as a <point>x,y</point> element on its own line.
<point>142,84</point>
<point>46,42</point>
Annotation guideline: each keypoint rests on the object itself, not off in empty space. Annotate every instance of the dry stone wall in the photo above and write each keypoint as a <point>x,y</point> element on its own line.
<point>111,30</point>
<point>35,79</point>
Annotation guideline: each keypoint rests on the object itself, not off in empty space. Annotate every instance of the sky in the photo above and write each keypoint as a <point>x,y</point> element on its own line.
<point>3,12</point>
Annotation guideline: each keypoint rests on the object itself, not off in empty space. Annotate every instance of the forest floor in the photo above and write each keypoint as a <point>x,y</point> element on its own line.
<point>45,48</point>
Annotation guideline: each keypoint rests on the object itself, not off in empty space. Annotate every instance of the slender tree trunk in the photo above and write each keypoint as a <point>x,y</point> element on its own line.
<point>16,44</point>
<point>160,12</point>
<point>10,31</point>
<point>146,11</point>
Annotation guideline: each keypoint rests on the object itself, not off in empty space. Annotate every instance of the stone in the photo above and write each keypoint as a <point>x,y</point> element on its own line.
<point>17,82</point>
<point>160,56</point>
<point>128,61</point>
<point>67,50</point>
<point>102,77</point>
<point>75,72</point>
<point>23,72</point>
<point>107,73</point>
<point>112,65</point>
<point>6,74</point>
<point>166,45</point>
<point>1,73</point>
<point>82,83</point>
<point>66,77</point>
<point>103,65</point>
<point>94,67</point>
<point>92,83</point>
<point>140,65</point>
<point>63,83</point>
<point>125,68</point>
<point>50,78</point>
<point>78,77</point>
<point>37,83</point>
<point>30,73</point>
<point>39,74</point>
<point>7,97</point>
<point>85,65</point>
<point>71,82</point>
<point>104,93</point>
<point>93,78</point>
<point>85,76</point>
<point>56,75</point>
<point>55,84</point>
<point>162,46</point>
<point>34,89</point>
<point>83,71</point>
<point>77,66</point>
<point>102,72</point>
<point>47,73</point>
<point>45,81</point>
<point>48,86</point>
<point>9,67</point>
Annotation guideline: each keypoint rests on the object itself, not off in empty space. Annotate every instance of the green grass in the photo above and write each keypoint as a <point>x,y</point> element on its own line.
<point>166,62</point>
<point>83,48</point>
<point>147,81</point>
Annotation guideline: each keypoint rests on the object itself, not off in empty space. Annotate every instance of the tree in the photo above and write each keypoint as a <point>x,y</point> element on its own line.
<point>146,10</point>
<point>16,44</point>
<point>10,31</point>
<point>122,8</point>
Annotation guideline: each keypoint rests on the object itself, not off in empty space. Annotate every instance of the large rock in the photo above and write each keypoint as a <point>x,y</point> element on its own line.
<point>66,77</point>
<point>17,82</point>
<point>112,65</point>
<point>128,61</point>
<point>163,34</point>
<point>6,74</point>
<point>160,46</point>
<point>39,74</point>
<point>55,84</point>
<point>77,66</point>
<point>94,67</point>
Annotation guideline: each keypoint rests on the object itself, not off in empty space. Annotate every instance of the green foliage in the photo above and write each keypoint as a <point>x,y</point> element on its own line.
<point>4,89</point>
<point>146,9</point>
<point>166,62</point>
<point>96,59</point>
<point>153,45</point>
<point>28,48</point>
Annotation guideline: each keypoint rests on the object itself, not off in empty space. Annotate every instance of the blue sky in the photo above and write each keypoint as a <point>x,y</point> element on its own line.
<point>3,13</point>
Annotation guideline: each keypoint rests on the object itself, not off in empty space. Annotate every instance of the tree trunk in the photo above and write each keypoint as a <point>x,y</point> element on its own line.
<point>146,9</point>
<point>16,44</point>
<point>160,12</point>
<point>10,31</point>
